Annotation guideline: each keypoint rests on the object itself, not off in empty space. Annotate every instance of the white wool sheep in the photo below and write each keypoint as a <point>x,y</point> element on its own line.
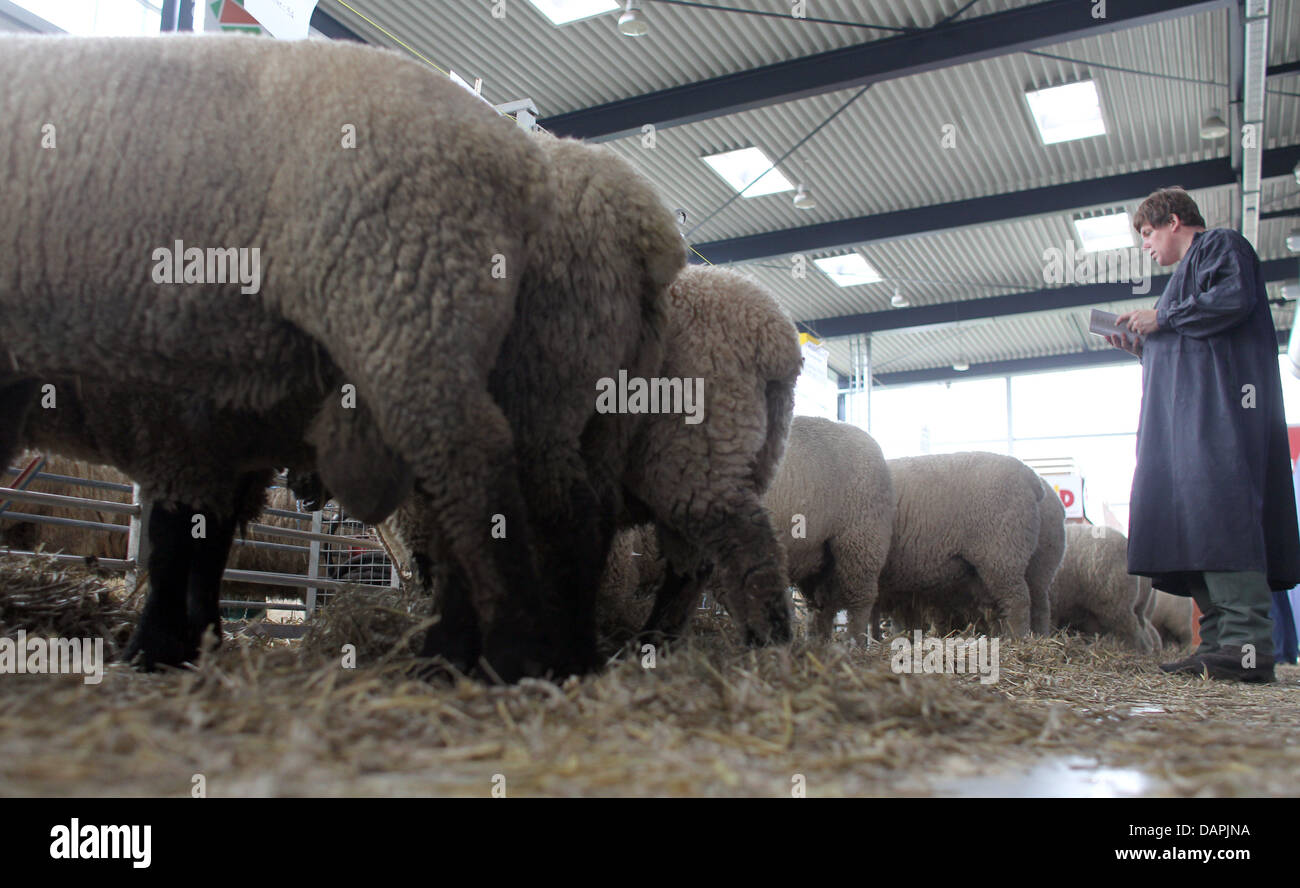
<point>1046,560</point>
<point>832,504</point>
<point>1093,592</point>
<point>1145,607</point>
<point>965,531</point>
<point>1172,617</point>
<point>392,214</point>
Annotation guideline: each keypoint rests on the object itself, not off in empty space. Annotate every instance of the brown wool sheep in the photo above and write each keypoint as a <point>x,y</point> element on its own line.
<point>392,225</point>
<point>702,482</point>
<point>592,304</point>
<point>101,544</point>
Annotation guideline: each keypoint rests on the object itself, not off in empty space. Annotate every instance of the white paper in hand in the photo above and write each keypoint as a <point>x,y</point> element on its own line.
<point>1103,324</point>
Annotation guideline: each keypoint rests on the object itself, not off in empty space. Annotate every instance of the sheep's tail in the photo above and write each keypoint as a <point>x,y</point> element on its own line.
<point>779,396</point>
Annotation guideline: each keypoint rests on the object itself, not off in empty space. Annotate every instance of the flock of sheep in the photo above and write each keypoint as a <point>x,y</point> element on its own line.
<point>441,299</point>
<point>942,541</point>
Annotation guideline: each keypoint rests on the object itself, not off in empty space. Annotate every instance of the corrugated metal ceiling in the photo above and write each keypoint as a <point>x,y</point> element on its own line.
<point>885,151</point>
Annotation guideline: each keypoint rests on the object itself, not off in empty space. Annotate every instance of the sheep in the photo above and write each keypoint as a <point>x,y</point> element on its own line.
<point>22,535</point>
<point>1144,607</point>
<point>702,483</point>
<point>1046,560</point>
<point>966,529</point>
<point>393,223</point>
<point>1093,591</point>
<point>633,573</point>
<point>18,534</point>
<point>192,459</point>
<point>833,501</point>
<point>1171,616</point>
<point>699,483</point>
<point>592,305</point>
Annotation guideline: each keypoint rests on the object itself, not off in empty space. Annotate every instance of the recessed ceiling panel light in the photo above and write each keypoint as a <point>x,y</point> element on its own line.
<point>561,12</point>
<point>1067,112</point>
<point>849,270</point>
<point>1101,233</point>
<point>741,167</point>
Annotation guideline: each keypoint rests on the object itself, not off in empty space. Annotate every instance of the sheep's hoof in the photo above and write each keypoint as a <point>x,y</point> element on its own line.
<point>457,652</point>
<point>435,671</point>
<point>512,656</point>
<point>149,648</point>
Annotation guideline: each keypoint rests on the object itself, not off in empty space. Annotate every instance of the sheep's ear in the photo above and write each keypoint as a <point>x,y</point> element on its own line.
<point>666,257</point>
<point>367,477</point>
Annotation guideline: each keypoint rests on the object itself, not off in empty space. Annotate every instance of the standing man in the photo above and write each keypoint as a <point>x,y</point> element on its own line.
<point>1212,513</point>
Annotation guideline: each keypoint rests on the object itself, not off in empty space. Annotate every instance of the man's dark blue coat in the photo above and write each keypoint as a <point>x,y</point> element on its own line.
<point>1212,489</point>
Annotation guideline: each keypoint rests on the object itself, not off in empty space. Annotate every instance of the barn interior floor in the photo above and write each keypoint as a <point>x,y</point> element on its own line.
<point>263,716</point>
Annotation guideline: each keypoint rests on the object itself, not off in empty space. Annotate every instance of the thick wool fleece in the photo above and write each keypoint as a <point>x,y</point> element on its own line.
<point>833,507</point>
<point>1094,592</point>
<point>392,214</point>
<point>966,528</point>
<point>592,303</point>
<point>702,483</point>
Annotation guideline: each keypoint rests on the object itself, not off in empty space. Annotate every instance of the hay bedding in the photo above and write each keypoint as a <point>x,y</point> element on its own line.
<point>270,717</point>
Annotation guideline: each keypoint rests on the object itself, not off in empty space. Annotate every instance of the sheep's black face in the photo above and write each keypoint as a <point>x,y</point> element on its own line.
<point>766,621</point>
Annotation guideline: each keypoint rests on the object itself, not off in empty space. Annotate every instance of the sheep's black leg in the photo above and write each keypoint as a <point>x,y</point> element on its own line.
<point>15,400</point>
<point>675,599</point>
<point>208,555</point>
<point>749,566</point>
<point>573,533</point>
<point>455,637</point>
<point>161,634</point>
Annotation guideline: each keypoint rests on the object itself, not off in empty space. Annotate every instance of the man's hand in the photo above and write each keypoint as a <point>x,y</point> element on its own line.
<point>1131,345</point>
<point>1142,322</point>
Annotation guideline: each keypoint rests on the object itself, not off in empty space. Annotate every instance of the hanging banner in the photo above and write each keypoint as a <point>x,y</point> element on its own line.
<point>283,19</point>
<point>229,17</point>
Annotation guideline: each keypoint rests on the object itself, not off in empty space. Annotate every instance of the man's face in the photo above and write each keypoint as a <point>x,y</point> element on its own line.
<point>1159,242</point>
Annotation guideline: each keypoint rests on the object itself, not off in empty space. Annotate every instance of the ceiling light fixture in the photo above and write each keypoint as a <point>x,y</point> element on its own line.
<point>803,200</point>
<point>1100,233</point>
<point>632,23</point>
<point>899,300</point>
<point>564,12</point>
<point>1293,240</point>
<point>848,270</point>
<point>742,168</point>
<point>1065,113</point>
<point>961,365</point>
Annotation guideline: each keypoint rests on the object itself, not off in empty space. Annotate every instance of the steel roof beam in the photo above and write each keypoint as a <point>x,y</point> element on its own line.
<point>958,43</point>
<point>1072,361</point>
<point>986,210</point>
<point>1049,299</point>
